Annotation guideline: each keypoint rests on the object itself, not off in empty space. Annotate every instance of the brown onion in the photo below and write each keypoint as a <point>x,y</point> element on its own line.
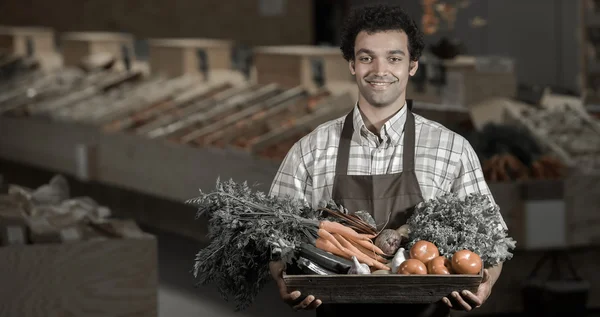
<point>466,262</point>
<point>412,266</point>
<point>424,251</point>
<point>439,265</point>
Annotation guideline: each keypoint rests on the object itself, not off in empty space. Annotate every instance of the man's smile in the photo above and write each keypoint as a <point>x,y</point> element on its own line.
<point>380,85</point>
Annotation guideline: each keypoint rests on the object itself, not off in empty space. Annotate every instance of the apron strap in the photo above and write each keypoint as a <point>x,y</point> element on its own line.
<point>341,166</point>
<point>408,157</point>
<point>408,150</point>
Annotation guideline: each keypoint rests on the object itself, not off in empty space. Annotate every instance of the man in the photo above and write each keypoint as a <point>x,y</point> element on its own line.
<point>381,157</point>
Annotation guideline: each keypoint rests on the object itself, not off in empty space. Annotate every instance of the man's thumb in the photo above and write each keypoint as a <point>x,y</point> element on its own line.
<point>486,276</point>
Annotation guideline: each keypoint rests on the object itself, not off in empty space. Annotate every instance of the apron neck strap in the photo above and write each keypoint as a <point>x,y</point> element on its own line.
<point>408,156</point>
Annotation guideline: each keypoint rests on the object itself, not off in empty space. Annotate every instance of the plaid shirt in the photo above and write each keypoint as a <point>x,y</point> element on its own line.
<point>444,161</point>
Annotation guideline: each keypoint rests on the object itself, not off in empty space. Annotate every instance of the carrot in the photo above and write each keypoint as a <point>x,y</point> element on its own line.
<point>369,246</point>
<point>372,254</point>
<point>334,227</point>
<point>329,237</point>
<point>327,246</point>
<point>348,245</point>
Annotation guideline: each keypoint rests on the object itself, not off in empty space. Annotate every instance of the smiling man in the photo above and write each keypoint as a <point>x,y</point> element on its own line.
<point>381,157</point>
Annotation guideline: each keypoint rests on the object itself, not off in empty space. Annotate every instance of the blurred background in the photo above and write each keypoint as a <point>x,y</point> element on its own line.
<point>113,113</point>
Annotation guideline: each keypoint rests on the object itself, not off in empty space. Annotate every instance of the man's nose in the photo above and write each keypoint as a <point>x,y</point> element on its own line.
<point>380,66</point>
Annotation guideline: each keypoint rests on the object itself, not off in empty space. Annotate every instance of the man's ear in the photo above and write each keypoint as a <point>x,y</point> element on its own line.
<point>351,66</point>
<point>413,68</point>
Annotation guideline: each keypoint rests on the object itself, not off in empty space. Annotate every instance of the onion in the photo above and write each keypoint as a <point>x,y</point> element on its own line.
<point>466,262</point>
<point>389,241</point>
<point>424,251</point>
<point>440,266</point>
<point>412,266</point>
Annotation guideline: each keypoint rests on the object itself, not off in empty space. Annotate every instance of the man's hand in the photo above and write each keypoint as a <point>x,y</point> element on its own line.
<point>466,300</point>
<point>291,299</point>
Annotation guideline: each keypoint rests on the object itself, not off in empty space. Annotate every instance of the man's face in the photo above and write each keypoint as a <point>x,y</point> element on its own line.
<point>381,66</point>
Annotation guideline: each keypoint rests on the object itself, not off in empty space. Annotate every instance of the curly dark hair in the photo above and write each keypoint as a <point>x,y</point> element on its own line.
<point>376,18</point>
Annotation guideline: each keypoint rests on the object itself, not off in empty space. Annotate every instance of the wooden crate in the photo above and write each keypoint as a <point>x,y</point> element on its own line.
<point>26,41</point>
<point>75,46</point>
<point>381,289</point>
<point>36,42</point>
<point>312,67</point>
<point>105,277</point>
<point>176,57</point>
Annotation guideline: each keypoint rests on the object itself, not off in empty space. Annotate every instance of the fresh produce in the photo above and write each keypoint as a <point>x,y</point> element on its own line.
<point>401,256</point>
<point>324,259</point>
<point>503,168</point>
<point>388,241</point>
<point>424,251</point>
<point>453,224</point>
<point>248,229</point>
<point>381,272</point>
<point>440,265</point>
<point>412,266</point>
<point>358,268</point>
<point>497,140</point>
<point>466,262</point>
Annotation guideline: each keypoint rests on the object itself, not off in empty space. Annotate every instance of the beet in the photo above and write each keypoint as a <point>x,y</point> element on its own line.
<point>389,241</point>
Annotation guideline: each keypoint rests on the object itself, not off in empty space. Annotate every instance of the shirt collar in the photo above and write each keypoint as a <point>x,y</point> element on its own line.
<point>391,130</point>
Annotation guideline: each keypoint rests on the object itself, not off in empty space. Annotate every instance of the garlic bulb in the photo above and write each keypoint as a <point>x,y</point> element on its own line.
<point>358,268</point>
<point>401,256</point>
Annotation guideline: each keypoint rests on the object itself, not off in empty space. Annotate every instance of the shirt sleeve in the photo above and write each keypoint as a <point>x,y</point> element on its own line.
<point>292,178</point>
<point>470,177</point>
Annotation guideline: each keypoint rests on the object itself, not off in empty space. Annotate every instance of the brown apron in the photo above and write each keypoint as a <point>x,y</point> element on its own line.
<point>390,199</point>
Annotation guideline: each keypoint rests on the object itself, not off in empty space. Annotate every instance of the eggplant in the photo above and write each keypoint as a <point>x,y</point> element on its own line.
<point>311,268</point>
<point>326,260</point>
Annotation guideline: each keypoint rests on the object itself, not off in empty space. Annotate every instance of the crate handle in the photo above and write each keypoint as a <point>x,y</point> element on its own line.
<point>126,56</point>
<point>318,71</point>
<point>202,58</point>
<point>29,46</point>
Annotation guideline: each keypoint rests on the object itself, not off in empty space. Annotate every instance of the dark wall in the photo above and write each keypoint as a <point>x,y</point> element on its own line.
<point>243,21</point>
<point>541,35</point>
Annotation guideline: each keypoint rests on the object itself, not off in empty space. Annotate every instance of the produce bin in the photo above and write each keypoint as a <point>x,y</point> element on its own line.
<point>105,277</point>
<point>65,256</point>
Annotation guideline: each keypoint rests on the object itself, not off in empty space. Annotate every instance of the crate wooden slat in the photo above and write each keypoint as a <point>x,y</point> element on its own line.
<point>380,289</point>
<point>243,120</point>
<point>160,107</point>
<point>231,108</point>
<point>249,131</point>
<point>329,109</point>
<point>207,133</point>
<point>186,125</point>
<point>170,123</point>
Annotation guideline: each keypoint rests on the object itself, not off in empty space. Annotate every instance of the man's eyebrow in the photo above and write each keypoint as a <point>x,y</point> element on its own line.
<point>397,52</point>
<point>365,51</point>
<point>370,52</point>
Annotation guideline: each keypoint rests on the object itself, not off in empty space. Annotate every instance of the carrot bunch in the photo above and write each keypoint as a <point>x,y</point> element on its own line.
<point>343,241</point>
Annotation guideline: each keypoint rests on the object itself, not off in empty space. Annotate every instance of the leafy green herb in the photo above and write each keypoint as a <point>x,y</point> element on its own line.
<point>247,230</point>
<point>454,224</point>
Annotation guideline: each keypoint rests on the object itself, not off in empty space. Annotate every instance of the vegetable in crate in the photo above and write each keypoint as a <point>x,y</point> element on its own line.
<point>248,229</point>
<point>453,224</point>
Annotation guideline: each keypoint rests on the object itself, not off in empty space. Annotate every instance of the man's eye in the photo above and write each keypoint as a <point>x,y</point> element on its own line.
<point>395,59</point>
<point>364,59</point>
